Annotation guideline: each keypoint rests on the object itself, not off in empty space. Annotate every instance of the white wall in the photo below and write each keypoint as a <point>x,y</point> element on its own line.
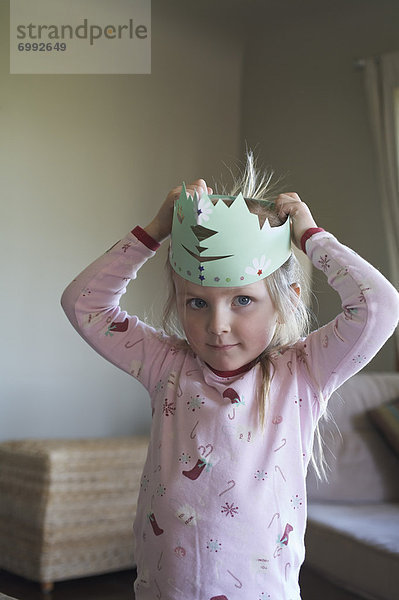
<point>305,103</point>
<point>84,159</point>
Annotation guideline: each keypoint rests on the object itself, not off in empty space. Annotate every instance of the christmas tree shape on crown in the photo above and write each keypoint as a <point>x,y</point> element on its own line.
<point>214,244</point>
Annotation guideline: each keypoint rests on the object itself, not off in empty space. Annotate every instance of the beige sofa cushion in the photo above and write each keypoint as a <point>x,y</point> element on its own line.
<point>356,547</point>
<point>386,418</point>
<point>363,468</point>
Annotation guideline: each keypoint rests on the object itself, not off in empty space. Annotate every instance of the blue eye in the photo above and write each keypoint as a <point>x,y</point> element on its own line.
<point>242,300</point>
<point>197,303</point>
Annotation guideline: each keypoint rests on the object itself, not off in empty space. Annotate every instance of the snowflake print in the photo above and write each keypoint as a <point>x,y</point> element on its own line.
<point>184,458</point>
<point>260,475</point>
<point>144,482</point>
<point>324,262</point>
<point>214,545</point>
<point>126,246</point>
<point>168,408</point>
<point>358,359</point>
<point>161,490</point>
<point>258,266</point>
<point>195,402</point>
<point>296,501</point>
<point>159,386</point>
<point>299,402</point>
<point>301,354</point>
<point>204,209</point>
<point>229,509</point>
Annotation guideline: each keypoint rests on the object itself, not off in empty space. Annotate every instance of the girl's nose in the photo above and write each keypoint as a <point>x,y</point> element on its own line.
<point>219,322</point>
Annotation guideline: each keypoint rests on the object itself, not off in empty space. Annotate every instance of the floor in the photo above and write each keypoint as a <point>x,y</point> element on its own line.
<point>114,586</point>
<point>119,586</point>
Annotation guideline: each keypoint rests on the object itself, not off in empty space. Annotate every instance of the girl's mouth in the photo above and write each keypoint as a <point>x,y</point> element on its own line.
<point>222,347</point>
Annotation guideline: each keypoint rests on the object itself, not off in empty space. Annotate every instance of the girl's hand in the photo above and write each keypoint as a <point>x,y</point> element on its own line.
<point>160,227</point>
<point>301,217</point>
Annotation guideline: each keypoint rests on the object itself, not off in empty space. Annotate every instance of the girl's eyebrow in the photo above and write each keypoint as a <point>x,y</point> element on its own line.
<point>228,292</point>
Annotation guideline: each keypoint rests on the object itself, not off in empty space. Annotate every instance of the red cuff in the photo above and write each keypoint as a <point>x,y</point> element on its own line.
<point>146,239</point>
<point>308,234</point>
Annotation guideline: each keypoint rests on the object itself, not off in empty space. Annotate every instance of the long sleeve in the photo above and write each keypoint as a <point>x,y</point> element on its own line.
<point>91,303</point>
<point>370,313</point>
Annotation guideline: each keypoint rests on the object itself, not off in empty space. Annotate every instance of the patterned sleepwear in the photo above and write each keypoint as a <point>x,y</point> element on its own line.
<point>222,508</point>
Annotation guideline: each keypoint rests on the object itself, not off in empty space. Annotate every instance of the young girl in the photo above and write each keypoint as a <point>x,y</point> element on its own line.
<point>222,508</point>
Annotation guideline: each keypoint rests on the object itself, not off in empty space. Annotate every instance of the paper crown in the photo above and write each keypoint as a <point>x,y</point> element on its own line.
<point>224,246</point>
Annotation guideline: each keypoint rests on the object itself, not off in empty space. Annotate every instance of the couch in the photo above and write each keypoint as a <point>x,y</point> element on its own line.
<point>352,538</point>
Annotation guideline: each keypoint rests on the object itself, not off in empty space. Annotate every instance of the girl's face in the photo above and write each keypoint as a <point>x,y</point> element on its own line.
<point>226,327</point>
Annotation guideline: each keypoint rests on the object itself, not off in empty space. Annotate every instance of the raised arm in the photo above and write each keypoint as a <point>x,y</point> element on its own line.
<point>91,300</point>
<point>370,304</point>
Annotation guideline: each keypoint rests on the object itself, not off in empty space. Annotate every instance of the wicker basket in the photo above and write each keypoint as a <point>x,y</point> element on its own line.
<point>67,506</point>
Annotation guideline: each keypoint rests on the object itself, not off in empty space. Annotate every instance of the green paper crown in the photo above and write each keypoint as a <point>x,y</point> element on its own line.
<point>224,246</point>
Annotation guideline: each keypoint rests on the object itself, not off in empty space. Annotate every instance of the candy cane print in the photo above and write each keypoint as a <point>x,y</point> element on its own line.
<point>191,371</point>
<point>131,344</point>
<point>276,515</point>
<point>159,562</point>
<point>159,595</point>
<point>282,445</point>
<point>335,329</point>
<point>204,453</point>
<point>277,468</point>
<point>228,488</point>
<point>289,365</point>
<point>287,570</point>
<point>192,434</point>
<point>172,380</point>
<point>239,586</point>
<point>233,415</point>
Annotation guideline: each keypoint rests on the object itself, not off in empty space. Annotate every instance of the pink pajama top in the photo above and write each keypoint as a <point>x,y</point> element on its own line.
<point>222,508</point>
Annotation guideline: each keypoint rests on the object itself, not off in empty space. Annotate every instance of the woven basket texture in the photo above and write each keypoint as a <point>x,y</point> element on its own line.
<point>67,506</point>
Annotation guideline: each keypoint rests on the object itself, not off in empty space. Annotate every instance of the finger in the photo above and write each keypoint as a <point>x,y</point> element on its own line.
<point>288,197</point>
<point>198,186</point>
<point>287,204</point>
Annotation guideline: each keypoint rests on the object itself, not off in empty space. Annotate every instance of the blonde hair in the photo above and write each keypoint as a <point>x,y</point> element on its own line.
<point>294,317</point>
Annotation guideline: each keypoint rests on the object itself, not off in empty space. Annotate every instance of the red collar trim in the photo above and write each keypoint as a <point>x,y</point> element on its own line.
<point>225,374</point>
